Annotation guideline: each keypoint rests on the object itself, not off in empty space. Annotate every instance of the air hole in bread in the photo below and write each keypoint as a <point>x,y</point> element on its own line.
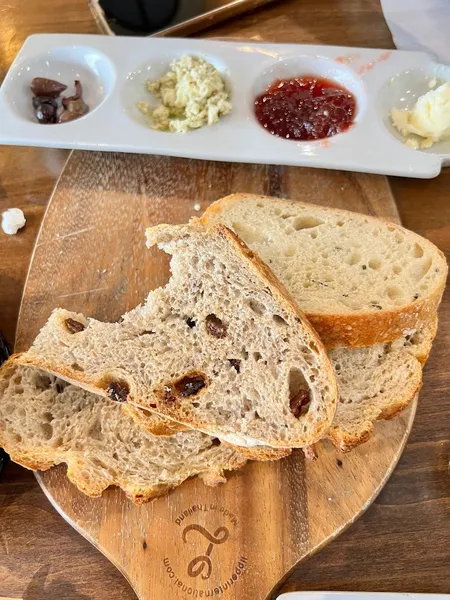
<point>250,235</point>
<point>47,417</point>
<point>418,251</point>
<point>42,382</point>
<point>95,432</point>
<point>47,431</point>
<point>76,367</point>
<point>307,222</point>
<point>399,238</point>
<point>17,379</point>
<point>397,269</point>
<point>279,320</point>
<point>287,216</point>
<point>394,293</point>
<point>340,223</point>
<point>257,307</point>
<point>115,456</point>
<point>18,390</point>
<point>257,356</point>
<point>289,251</point>
<point>313,234</point>
<point>354,258</point>
<point>374,263</point>
<point>257,415</point>
<point>418,271</point>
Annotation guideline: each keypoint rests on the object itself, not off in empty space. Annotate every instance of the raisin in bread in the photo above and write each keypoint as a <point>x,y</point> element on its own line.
<point>45,421</point>
<point>360,280</point>
<point>221,348</point>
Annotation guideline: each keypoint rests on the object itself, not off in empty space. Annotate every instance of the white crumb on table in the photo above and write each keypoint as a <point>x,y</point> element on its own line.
<point>197,206</point>
<point>13,219</point>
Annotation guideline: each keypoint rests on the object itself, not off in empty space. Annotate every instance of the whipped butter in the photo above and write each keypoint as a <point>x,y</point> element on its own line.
<point>428,121</point>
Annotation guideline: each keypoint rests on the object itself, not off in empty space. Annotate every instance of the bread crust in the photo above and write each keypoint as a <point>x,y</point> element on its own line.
<point>358,328</point>
<point>345,441</point>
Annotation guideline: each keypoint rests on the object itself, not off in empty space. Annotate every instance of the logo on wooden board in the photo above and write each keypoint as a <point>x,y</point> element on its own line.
<point>201,577</point>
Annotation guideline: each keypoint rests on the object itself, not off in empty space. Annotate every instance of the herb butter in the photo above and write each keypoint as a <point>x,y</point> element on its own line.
<point>192,94</point>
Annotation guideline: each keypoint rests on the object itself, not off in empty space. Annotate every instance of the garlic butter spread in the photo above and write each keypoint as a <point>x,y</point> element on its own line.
<point>428,121</point>
<point>192,94</point>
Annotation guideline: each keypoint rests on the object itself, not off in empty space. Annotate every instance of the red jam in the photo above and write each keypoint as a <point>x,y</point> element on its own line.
<point>305,108</point>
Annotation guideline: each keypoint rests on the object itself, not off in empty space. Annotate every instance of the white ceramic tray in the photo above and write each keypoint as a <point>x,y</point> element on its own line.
<point>113,71</point>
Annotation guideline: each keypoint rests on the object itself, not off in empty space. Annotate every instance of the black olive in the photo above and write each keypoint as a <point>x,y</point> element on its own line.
<point>38,100</point>
<point>46,113</point>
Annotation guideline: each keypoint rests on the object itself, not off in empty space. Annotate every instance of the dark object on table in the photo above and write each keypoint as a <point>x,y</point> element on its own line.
<point>4,355</point>
<point>166,17</point>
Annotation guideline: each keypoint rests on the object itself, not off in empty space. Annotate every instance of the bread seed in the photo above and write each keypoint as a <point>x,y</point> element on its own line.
<point>299,402</point>
<point>118,391</point>
<point>74,326</point>
<point>216,327</point>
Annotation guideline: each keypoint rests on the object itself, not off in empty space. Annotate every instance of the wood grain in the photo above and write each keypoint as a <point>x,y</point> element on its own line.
<point>403,541</point>
<point>90,256</point>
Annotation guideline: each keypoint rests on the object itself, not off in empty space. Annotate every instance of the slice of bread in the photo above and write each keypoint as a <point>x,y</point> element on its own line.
<point>360,280</point>
<point>157,425</point>
<point>376,382</point>
<point>45,422</point>
<point>221,348</point>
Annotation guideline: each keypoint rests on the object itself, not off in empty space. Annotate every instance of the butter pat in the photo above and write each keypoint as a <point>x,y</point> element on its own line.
<point>13,219</point>
<point>429,119</point>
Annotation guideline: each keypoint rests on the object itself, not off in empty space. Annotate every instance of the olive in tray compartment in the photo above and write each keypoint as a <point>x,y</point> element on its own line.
<point>50,108</point>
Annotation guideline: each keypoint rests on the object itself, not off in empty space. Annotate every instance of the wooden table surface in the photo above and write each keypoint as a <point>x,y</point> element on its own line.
<point>402,543</point>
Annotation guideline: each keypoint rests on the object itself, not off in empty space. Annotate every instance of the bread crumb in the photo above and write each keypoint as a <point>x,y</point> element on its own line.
<point>13,219</point>
<point>197,206</point>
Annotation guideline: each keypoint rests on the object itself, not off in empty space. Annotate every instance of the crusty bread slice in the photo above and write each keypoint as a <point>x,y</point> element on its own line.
<point>44,422</point>
<point>360,280</point>
<point>376,382</point>
<point>157,425</point>
<point>221,348</point>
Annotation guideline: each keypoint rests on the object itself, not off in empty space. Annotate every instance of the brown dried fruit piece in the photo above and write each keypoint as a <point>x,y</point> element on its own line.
<point>186,386</point>
<point>118,391</point>
<point>298,403</point>
<point>74,326</point>
<point>236,364</point>
<point>41,86</point>
<point>216,327</point>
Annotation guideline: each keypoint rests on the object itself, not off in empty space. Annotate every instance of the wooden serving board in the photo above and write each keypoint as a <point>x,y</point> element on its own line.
<point>91,256</point>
